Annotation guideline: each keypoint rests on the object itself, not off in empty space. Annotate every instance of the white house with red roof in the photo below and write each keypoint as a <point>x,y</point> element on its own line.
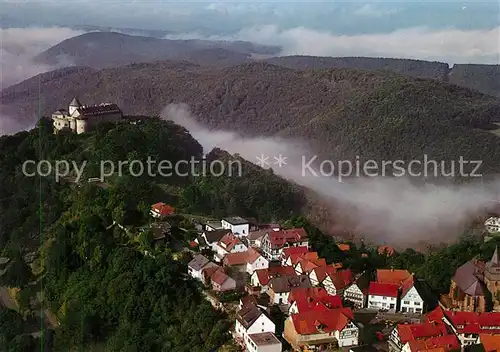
<point>315,298</point>
<point>411,301</point>
<point>261,277</point>
<point>448,343</point>
<point>294,259</point>
<point>313,329</point>
<point>229,243</point>
<point>404,333</point>
<point>383,296</point>
<point>161,210</point>
<point>274,242</point>
<point>305,266</point>
<point>337,283</point>
<point>249,260</point>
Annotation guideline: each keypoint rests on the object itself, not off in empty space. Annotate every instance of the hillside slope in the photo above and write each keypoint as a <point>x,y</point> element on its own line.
<point>340,112</point>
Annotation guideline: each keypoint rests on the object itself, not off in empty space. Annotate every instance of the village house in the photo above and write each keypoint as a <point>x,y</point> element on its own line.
<point>383,296</point>
<point>279,287</point>
<point>80,118</point>
<point>305,266</point>
<point>344,247</point>
<point>161,210</point>
<point>274,242</point>
<point>247,261</point>
<point>209,239</point>
<point>304,299</point>
<point>338,282</point>
<point>292,251</point>
<point>320,273</point>
<point>196,266</point>
<point>490,343</point>
<point>294,258</point>
<point>448,343</point>
<point>229,243</point>
<point>250,319</point>
<point>254,238</point>
<point>212,225</point>
<point>357,292</point>
<point>468,326</point>
<point>261,277</point>
<point>269,227</point>
<point>221,282</point>
<point>411,300</point>
<point>404,333</point>
<point>263,342</point>
<point>392,276</point>
<point>238,226</point>
<point>315,329</point>
<point>386,250</point>
<point>207,273</point>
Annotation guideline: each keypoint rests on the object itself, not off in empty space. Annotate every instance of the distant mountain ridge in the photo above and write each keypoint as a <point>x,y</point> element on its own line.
<point>102,49</point>
<point>110,49</point>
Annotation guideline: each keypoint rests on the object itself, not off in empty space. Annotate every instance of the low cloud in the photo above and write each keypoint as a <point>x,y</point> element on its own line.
<point>20,45</point>
<point>383,209</point>
<point>454,46</point>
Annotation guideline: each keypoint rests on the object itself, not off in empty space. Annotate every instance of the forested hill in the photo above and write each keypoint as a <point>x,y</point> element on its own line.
<point>341,112</point>
<point>96,278</point>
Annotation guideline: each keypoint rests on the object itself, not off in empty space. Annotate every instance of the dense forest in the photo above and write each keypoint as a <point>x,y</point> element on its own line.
<point>340,113</point>
<point>95,277</point>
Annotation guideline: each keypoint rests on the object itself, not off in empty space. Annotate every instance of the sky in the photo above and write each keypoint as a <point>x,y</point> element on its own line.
<point>223,17</point>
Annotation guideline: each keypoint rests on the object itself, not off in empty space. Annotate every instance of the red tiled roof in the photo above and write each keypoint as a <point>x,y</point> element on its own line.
<point>265,275</point>
<point>379,289</point>
<point>294,250</point>
<point>344,247</point>
<point>295,258</point>
<point>279,238</point>
<point>491,343</point>
<point>342,278</point>
<point>323,271</point>
<point>436,315</point>
<point>386,250</point>
<point>392,276</point>
<point>228,242</point>
<point>448,342</point>
<point>163,209</point>
<point>409,332</point>
<point>407,285</point>
<point>308,265</point>
<point>219,277</point>
<point>241,258</point>
<point>314,298</point>
<point>475,323</point>
<point>318,322</point>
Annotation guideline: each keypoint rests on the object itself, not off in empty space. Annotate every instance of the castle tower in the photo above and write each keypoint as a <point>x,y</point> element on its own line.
<point>73,106</point>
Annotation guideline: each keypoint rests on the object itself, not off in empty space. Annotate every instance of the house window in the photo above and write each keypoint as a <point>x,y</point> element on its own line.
<point>406,302</point>
<point>417,303</point>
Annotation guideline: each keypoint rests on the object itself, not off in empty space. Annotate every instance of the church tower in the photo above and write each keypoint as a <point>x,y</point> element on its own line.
<point>492,278</point>
<point>73,106</point>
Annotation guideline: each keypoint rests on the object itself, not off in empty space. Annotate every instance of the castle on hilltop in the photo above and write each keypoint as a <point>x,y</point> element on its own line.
<point>83,118</point>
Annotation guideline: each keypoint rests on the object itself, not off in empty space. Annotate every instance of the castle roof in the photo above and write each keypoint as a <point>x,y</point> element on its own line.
<point>75,103</point>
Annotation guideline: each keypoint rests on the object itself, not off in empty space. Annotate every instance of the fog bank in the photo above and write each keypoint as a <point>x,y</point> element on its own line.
<point>391,210</point>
